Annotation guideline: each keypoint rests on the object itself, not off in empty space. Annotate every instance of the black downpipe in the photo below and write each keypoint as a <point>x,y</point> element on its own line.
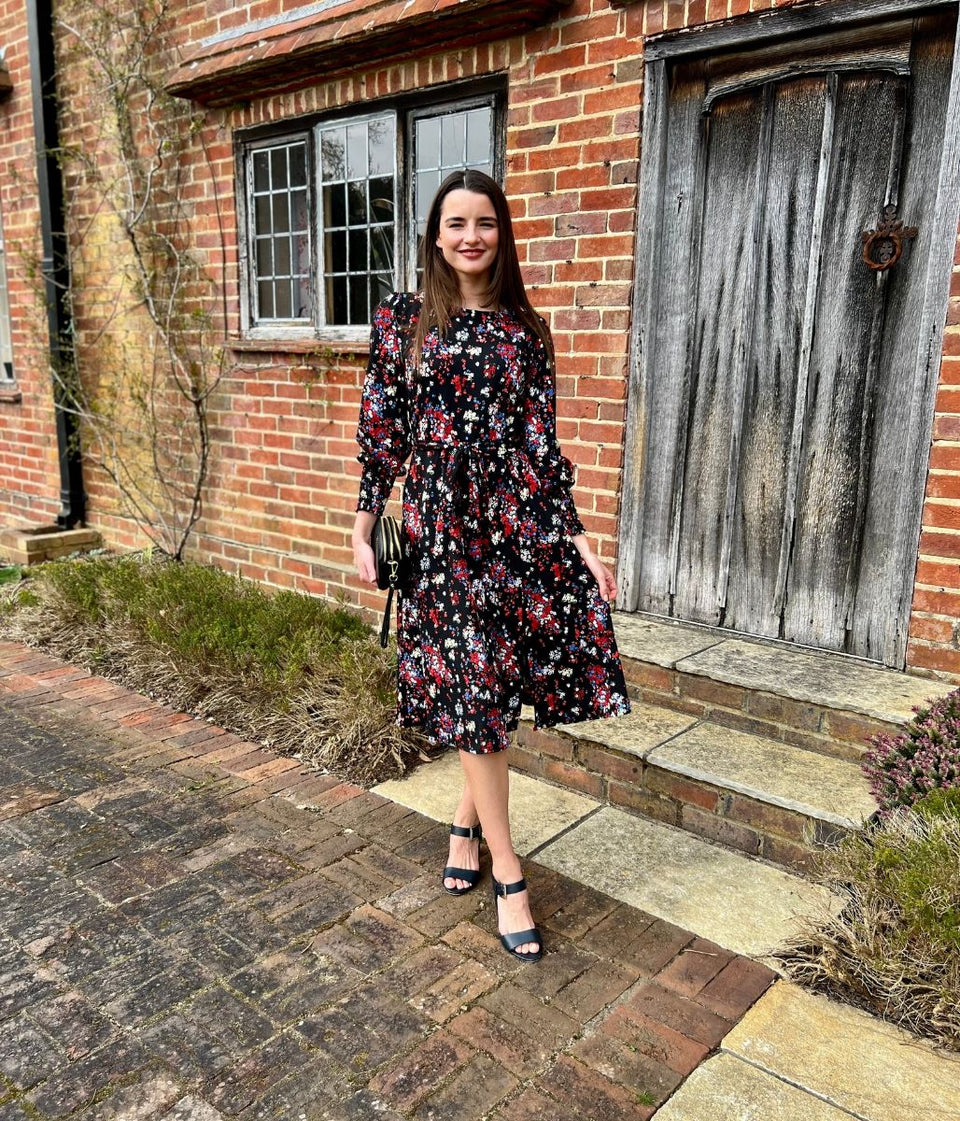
<point>55,264</point>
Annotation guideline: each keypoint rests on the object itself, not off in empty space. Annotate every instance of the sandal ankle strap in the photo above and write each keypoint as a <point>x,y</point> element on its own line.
<point>471,832</point>
<point>503,890</point>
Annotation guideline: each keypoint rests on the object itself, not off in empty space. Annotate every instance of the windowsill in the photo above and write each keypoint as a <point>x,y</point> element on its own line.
<point>11,395</point>
<point>314,345</point>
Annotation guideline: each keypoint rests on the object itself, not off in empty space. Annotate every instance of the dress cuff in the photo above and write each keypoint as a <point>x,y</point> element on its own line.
<point>375,490</point>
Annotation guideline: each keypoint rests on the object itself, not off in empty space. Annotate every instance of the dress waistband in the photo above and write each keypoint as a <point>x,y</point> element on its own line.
<point>465,469</point>
<point>491,447</point>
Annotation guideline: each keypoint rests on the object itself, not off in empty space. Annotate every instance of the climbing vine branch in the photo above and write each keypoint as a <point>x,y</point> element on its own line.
<point>149,307</point>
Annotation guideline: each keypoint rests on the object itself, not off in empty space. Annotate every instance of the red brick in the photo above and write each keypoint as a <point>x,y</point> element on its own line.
<point>694,967</point>
<point>853,728</point>
<point>649,804</point>
<point>782,710</point>
<point>796,855</point>
<point>573,777</point>
<point>683,1015</point>
<point>573,1084</point>
<point>628,1067</point>
<point>733,834</point>
<point>738,985</point>
<point>519,1052</point>
<point>586,995</point>
<point>766,817</point>
<point>679,787</point>
<point>655,677</point>
<point>654,947</point>
<point>427,1067</point>
<point>554,744</point>
<point>713,692</point>
<point>656,1040</point>
<point>522,759</point>
<point>612,764</point>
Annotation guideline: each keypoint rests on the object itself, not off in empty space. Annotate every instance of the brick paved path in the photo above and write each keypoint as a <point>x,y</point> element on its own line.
<point>193,928</point>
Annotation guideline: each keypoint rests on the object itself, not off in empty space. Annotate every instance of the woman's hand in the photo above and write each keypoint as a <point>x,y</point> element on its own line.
<point>362,552</point>
<point>603,576</point>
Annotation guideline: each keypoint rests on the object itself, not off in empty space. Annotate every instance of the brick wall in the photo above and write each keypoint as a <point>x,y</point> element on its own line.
<point>29,474</point>
<point>279,505</point>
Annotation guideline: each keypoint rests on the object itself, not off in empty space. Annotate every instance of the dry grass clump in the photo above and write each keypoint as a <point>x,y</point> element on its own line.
<point>286,670</point>
<point>895,947</point>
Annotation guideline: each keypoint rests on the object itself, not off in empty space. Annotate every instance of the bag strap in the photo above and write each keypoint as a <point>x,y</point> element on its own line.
<point>385,627</point>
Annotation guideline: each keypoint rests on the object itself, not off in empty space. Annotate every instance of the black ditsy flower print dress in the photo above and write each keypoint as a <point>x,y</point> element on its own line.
<point>500,607</point>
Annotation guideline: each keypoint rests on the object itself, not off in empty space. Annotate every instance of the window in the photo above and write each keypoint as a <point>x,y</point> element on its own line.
<point>335,213</point>
<point>281,232</point>
<point>6,342</point>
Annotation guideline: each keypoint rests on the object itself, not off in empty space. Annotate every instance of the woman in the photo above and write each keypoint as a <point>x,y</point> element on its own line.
<point>505,601</point>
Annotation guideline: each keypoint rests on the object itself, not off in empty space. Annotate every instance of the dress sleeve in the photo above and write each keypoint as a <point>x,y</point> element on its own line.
<point>383,431</point>
<point>554,470</point>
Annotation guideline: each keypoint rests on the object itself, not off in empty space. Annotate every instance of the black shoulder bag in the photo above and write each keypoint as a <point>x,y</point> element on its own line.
<point>388,562</point>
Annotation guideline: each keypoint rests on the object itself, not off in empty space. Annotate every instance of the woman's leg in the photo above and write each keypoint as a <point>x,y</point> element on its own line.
<point>488,781</point>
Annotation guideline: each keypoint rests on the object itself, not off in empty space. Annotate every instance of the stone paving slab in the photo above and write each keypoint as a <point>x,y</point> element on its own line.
<point>644,728</point>
<point>538,811</point>
<point>663,644</point>
<point>726,1088</point>
<point>888,1076</point>
<point>840,684</point>
<point>186,935</point>
<point>818,786</point>
<point>739,902</point>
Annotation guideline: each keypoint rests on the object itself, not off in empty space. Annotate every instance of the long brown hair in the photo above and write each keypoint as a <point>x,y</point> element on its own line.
<point>441,289</point>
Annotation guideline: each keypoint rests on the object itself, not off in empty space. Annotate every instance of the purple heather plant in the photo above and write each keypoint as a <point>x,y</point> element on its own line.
<point>925,756</point>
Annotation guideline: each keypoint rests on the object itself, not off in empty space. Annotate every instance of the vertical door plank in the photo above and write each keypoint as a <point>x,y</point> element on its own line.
<point>665,358</point>
<point>882,583</point>
<point>788,271</point>
<point>837,396</point>
<point>727,266</point>
<point>633,510</point>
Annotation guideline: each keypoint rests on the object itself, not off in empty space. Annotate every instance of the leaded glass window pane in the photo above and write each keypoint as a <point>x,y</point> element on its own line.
<point>280,214</point>
<point>447,142</point>
<point>357,217</point>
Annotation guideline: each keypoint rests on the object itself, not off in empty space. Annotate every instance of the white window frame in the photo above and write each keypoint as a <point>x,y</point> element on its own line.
<point>458,98</point>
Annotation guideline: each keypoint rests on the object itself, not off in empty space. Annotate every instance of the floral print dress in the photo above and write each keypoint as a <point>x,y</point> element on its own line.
<point>498,607</point>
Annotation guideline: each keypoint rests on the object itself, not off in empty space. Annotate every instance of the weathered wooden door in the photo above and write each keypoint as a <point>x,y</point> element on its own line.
<point>784,420</point>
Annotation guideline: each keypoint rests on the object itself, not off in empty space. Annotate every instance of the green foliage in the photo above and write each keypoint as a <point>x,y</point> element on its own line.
<point>896,944</point>
<point>206,618</point>
<point>285,669</point>
<point>940,803</point>
<point>10,574</point>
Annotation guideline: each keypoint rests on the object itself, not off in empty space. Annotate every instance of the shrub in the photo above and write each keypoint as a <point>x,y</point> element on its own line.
<point>924,757</point>
<point>895,945</point>
<point>289,670</point>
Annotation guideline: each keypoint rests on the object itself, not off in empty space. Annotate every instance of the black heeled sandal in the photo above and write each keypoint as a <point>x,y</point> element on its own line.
<point>511,941</point>
<point>471,875</point>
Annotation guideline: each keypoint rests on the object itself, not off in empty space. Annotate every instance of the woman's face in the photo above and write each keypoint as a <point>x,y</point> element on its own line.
<point>469,236</point>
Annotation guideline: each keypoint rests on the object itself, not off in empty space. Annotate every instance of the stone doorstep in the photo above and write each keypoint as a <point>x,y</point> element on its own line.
<point>825,702</point>
<point>750,793</point>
